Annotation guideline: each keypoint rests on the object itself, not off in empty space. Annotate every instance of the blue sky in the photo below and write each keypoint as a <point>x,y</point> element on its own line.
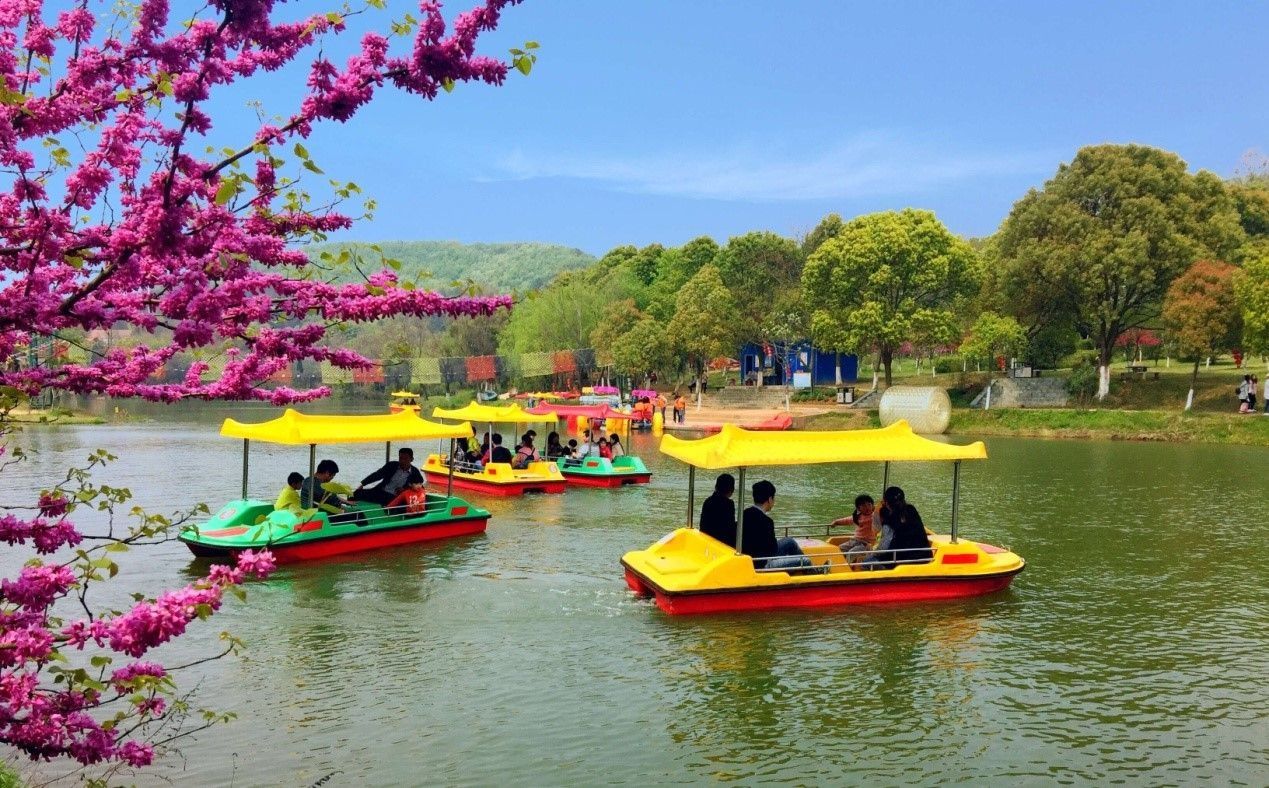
<point>657,121</point>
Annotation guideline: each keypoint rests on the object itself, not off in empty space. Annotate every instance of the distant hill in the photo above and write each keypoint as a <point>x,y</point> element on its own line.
<point>497,268</point>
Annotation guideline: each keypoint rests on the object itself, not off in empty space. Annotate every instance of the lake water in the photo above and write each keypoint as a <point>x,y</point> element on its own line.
<point>1133,649</point>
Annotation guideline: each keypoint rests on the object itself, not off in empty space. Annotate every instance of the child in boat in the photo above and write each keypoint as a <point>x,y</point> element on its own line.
<point>604,450</point>
<point>413,498</point>
<point>573,457</point>
<point>289,498</point>
<point>867,522</point>
<point>614,445</point>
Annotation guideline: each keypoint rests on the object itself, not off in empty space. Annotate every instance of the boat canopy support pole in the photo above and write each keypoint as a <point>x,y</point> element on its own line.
<point>312,459</point>
<point>246,453</point>
<point>691,493</point>
<point>740,494</point>
<point>449,483</point>
<point>387,452</point>
<point>956,494</point>
<point>885,479</point>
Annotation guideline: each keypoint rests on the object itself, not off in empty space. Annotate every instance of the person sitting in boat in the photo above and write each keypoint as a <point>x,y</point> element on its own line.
<point>525,453</point>
<point>527,442</point>
<point>757,535</point>
<point>903,538</point>
<point>392,478</point>
<point>411,501</point>
<point>718,513</point>
<point>312,496</point>
<point>867,522</point>
<point>499,453</point>
<point>588,447</point>
<point>289,499</point>
<point>574,453</point>
<point>554,449</point>
<point>604,450</point>
<point>614,445</point>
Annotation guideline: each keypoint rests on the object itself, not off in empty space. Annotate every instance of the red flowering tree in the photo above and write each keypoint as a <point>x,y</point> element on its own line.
<point>112,213</point>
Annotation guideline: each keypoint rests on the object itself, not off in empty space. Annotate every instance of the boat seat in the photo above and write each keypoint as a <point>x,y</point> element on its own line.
<point>826,554</point>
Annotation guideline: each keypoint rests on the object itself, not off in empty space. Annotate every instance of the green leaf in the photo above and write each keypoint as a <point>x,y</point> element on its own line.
<point>301,151</point>
<point>226,192</point>
<point>524,65</point>
<point>309,165</point>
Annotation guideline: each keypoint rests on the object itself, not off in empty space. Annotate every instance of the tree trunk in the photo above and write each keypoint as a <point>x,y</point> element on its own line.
<point>887,358</point>
<point>837,371</point>
<point>1103,374</point>
<point>1189,398</point>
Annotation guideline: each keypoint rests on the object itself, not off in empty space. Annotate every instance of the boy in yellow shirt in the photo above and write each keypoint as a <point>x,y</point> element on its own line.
<point>289,498</point>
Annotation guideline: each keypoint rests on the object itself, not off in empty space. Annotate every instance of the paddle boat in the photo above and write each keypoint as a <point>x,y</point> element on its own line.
<point>689,572</point>
<point>295,534</point>
<point>597,471</point>
<point>404,400</point>
<point>496,478</point>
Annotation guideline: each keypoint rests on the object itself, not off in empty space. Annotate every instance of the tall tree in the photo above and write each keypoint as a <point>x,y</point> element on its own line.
<point>645,347</point>
<point>703,327</point>
<point>757,267</point>
<point>828,227</point>
<point>617,319</point>
<point>884,278</point>
<point>993,335</point>
<point>1101,242</point>
<point>1251,285</point>
<point>1201,311</point>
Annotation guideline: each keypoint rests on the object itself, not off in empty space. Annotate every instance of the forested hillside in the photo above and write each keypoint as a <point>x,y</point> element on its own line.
<point>501,268</point>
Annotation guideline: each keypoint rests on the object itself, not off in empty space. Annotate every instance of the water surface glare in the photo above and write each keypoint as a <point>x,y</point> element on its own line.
<point>1134,649</point>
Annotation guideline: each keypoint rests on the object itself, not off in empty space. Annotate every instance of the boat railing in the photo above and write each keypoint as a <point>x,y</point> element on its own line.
<point>398,513</point>
<point>862,557</point>
<point>462,466</point>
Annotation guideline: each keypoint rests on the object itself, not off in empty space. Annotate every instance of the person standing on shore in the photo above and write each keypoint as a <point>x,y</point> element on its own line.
<point>1267,395</point>
<point>1251,393</point>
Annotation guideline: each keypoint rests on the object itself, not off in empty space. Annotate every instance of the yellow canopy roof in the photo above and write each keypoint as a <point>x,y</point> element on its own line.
<point>489,414</point>
<point>297,429</point>
<point>404,394</point>
<point>734,447</point>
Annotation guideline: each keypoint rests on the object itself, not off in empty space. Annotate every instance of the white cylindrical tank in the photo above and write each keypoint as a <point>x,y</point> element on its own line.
<point>926,408</point>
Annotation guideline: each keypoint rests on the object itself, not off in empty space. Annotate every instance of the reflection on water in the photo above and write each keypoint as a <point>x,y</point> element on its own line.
<point>1132,649</point>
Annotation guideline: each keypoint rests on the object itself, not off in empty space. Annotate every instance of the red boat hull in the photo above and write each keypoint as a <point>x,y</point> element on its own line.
<point>917,589</point>
<point>353,543</point>
<point>615,480</point>
<point>504,489</point>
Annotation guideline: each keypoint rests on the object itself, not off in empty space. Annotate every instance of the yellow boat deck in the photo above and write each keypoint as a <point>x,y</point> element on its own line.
<point>687,561</point>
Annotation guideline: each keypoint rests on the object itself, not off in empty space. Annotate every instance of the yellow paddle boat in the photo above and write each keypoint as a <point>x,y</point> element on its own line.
<point>296,534</point>
<point>404,401</point>
<point>496,478</point>
<point>689,572</point>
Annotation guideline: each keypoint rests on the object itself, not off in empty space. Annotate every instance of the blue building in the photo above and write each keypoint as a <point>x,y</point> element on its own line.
<point>797,364</point>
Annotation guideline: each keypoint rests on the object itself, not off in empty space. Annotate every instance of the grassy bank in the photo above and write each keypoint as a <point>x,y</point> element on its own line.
<point>1138,425</point>
<point>58,418</point>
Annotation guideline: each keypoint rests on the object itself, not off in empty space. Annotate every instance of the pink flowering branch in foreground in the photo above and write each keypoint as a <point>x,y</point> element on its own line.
<point>120,208</point>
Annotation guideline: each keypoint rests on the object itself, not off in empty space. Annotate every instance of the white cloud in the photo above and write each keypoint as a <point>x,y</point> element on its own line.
<point>866,166</point>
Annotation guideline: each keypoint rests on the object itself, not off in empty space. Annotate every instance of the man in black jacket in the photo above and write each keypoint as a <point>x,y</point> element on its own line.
<point>718,513</point>
<point>393,477</point>
<point>758,537</point>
